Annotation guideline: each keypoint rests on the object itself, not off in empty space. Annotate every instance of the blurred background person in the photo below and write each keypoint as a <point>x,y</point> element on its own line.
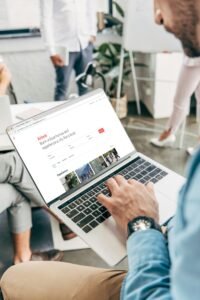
<point>18,193</point>
<point>69,30</point>
<point>5,78</point>
<point>188,83</point>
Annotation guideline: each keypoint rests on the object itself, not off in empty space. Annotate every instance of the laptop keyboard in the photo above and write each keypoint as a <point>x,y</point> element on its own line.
<point>88,213</point>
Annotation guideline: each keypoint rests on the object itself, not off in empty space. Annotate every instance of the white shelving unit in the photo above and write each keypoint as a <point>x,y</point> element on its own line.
<point>157,90</point>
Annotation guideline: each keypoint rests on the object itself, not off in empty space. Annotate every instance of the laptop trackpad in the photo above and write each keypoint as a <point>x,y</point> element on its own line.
<point>170,185</point>
<point>167,207</point>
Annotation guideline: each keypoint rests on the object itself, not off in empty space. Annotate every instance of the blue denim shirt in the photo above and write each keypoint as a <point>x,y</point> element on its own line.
<point>161,269</point>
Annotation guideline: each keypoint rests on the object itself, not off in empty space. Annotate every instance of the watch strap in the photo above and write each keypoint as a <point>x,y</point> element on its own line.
<point>153,224</point>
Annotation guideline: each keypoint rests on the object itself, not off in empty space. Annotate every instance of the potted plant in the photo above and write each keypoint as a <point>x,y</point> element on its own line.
<point>108,60</point>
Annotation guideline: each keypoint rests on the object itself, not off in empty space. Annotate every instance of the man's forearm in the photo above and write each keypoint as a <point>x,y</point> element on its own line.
<point>149,264</point>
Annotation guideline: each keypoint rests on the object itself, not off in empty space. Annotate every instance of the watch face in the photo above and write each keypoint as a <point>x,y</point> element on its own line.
<point>141,224</point>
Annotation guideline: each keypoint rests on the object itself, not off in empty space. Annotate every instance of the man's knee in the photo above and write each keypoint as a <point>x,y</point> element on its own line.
<point>7,286</point>
<point>23,281</point>
<point>11,168</point>
<point>50,281</point>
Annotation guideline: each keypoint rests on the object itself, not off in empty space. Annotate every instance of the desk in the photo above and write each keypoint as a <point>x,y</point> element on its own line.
<point>5,144</point>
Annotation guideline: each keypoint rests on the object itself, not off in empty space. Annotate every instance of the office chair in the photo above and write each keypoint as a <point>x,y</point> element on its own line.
<point>86,79</point>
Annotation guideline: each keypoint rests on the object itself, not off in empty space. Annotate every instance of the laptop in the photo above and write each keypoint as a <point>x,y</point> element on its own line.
<point>5,121</point>
<point>71,150</point>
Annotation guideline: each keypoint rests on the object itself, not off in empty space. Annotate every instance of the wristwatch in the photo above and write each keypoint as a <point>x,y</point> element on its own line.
<point>142,223</point>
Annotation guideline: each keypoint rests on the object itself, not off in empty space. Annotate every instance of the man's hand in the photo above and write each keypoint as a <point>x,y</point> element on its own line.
<point>92,39</point>
<point>5,78</point>
<point>129,199</point>
<point>57,60</point>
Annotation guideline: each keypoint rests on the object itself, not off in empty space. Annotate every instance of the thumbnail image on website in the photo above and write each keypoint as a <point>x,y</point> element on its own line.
<point>90,169</point>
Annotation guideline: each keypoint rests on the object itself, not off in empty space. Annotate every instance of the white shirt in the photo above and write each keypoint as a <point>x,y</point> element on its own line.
<point>67,23</point>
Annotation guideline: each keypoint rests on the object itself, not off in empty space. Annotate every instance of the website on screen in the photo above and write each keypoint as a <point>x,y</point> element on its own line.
<point>70,146</point>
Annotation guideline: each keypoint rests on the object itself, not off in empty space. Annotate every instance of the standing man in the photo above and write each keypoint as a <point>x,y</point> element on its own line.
<point>69,31</point>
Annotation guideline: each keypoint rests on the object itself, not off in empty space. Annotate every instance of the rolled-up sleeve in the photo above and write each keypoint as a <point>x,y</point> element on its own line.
<point>149,267</point>
<point>185,274</point>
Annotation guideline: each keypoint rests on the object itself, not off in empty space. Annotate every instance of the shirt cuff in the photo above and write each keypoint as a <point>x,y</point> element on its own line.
<point>52,50</point>
<point>144,246</point>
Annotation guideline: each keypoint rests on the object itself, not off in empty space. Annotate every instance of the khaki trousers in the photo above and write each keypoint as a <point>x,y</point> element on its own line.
<point>60,281</point>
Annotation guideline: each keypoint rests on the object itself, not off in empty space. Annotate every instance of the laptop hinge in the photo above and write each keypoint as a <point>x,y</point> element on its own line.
<point>61,197</point>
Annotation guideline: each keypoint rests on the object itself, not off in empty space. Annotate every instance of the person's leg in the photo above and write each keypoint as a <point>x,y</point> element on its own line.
<point>63,75</point>
<point>12,171</point>
<point>191,150</point>
<point>20,223</point>
<point>61,281</point>
<point>20,220</point>
<point>85,57</point>
<point>21,244</point>
<point>187,83</point>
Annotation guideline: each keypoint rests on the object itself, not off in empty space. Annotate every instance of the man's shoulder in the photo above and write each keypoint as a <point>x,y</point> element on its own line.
<point>190,202</point>
<point>193,165</point>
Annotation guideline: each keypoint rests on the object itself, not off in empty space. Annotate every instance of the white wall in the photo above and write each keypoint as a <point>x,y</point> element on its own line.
<point>19,13</point>
<point>102,5</point>
<point>32,72</point>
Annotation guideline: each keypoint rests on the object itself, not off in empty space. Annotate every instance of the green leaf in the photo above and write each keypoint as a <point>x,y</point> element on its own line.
<point>103,48</point>
<point>115,21</point>
<point>117,46</point>
<point>119,9</point>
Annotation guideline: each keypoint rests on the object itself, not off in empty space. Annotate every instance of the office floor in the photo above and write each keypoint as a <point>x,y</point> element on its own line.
<point>173,158</point>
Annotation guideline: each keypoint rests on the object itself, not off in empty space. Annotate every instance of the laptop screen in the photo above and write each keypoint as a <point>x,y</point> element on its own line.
<point>70,144</point>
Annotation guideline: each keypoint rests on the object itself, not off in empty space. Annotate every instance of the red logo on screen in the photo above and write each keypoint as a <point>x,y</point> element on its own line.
<point>101,130</point>
<point>42,137</point>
